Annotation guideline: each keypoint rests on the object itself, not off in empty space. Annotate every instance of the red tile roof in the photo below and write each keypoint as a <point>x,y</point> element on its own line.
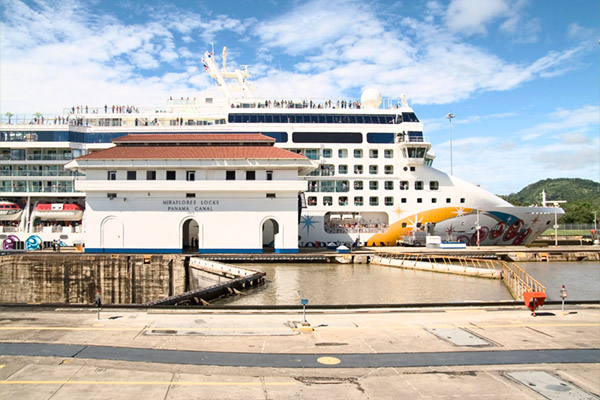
<point>194,137</point>
<point>191,152</point>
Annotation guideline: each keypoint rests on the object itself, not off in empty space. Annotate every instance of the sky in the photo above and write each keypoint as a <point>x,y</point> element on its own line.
<point>521,77</point>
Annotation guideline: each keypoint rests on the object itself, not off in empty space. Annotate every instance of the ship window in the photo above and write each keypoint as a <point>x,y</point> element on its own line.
<point>276,118</point>
<point>418,185</point>
<point>171,175</point>
<point>434,200</point>
<point>358,185</point>
<point>342,153</point>
<point>419,200</point>
<point>312,200</point>
<point>358,201</point>
<point>343,169</point>
<point>448,200</point>
<point>389,185</point>
<point>327,200</point>
<point>343,201</point>
<point>403,185</point>
<point>329,119</point>
<point>322,119</point>
<point>403,200</point>
<point>389,169</point>
<point>311,154</point>
<point>327,186</point>
<point>389,201</point>
<point>373,169</point>
<point>434,185</point>
<point>462,200</point>
<point>412,169</point>
<point>358,169</point>
<point>230,175</point>
<point>250,175</point>
<point>337,119</point>
<point>269,118</point>
<point>373,153</point>
<point>190,175</point>
<point>373,201</point>
<point>409,117</point>
<point>150,175</point>
<point>111,175</point>
<point>404,225</point>
<point>388,153</point>
<point>253,118</point>
<point>373,185</point>
<point>358,153</point>
<point>326,153</point>
<point>131,175</point>
<point>341,186</point>
<point>261,118</point>
<point>359,119</point>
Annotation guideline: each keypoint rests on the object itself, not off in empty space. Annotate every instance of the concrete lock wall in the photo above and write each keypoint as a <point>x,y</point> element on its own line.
<point>74,279</point>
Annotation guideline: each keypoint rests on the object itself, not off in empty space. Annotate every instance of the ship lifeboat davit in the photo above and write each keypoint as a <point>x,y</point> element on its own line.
<point>58,212</point>
<point>10,211</point>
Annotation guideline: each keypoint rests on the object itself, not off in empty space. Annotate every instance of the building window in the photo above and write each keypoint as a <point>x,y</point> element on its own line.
<point>358,169</point>
<point>230,175</point>
<point>434,185</point>
<point>358,153</point>
<point>403,185</point>
<point>373,153</point>
<point>358,201</point>
<point>269,175</point>
<point>343,169</point>
<point>373,185</point>
<point>389,185</point>
<point>389,201</point>
<point>373,169</point>
<point>358,185</point>
<point>250,175</point>
<point>326,153</point>
<point>171,175</point>
<point>190,195</point>
<point>271,195</point>
<point>389,169</point>
<point>343,201</point>
<point>327,200</point>
<point>373,201</point>
<point>111,175</point>
<point>419,200</point>
<point>150,175</point>
<point>388,153</point>
<point>111,195</point>
<point>343,153</point>
<point>131,175</point>
<point>418,185</point>
<point>312,200</point>
<point>190,175</point>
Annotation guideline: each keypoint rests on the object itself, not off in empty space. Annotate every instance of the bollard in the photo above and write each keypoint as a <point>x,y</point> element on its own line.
<point>563,296</point>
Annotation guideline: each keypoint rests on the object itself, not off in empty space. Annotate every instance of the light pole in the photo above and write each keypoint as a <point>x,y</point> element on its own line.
<point>478,227</point>
<point>450,116</point>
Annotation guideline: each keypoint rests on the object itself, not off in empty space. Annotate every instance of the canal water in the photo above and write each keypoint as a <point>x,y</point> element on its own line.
<point>333,284</point>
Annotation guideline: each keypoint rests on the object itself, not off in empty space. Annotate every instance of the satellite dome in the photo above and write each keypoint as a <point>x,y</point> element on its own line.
<point>371,98</point>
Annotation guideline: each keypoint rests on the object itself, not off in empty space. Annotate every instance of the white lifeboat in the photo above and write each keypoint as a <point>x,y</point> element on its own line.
<point>10,211</point>
<point>57,212</point>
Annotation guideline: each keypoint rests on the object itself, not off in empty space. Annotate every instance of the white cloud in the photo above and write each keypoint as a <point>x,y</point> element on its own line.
<point>562,119</point>
<point>472,16</point>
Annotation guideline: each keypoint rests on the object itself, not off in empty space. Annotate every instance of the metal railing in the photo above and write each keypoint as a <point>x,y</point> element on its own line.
<point>518,281</point>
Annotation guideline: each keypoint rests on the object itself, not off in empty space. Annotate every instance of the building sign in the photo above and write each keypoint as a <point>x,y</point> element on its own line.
<point>190,205</point>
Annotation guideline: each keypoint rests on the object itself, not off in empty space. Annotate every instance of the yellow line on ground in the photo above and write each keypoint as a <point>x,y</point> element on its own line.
<point>1,366</point>
<point>147,383</point>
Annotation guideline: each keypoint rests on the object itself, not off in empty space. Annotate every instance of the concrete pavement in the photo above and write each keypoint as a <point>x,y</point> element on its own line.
<point>453,353</point>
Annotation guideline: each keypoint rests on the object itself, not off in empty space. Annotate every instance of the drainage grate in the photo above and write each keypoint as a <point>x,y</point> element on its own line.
<point>550,386</point>
<point>460,337</point>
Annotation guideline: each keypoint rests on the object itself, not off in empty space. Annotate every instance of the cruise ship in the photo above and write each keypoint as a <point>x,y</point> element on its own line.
<point>374,184</point>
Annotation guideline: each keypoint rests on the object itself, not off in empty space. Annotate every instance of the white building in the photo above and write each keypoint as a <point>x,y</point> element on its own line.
<point>206,193</point>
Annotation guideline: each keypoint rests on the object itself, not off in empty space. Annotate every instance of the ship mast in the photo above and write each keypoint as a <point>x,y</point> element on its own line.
<point>220,76</point>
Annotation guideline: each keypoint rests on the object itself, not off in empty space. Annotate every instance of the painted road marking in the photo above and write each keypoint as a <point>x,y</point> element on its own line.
<point>1,366</point>
<point>147,383</point>
<point>328,360</point>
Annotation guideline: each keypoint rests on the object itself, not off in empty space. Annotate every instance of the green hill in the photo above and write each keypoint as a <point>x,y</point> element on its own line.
<point>582,196</point>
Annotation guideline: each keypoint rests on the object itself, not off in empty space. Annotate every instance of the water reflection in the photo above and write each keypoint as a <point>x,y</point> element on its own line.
<point>332,284</point>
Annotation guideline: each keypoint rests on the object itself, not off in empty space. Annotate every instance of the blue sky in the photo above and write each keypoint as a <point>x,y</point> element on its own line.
<point>521,77</point>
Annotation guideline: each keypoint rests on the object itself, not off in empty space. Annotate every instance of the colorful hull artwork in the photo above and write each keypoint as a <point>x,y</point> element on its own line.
<point>459,224</point>
<point>33,242</point>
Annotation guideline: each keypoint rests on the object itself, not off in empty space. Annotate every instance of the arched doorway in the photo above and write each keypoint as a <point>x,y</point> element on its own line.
<point>190,236</point>
<point>111,233</point>
<point>270,235</point>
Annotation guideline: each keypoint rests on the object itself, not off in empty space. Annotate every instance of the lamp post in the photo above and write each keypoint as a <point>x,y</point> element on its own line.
<point>478,227</point>
<point>450,116</point>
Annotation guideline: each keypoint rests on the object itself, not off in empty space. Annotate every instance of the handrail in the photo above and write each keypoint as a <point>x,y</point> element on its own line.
<point>518,281</point>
